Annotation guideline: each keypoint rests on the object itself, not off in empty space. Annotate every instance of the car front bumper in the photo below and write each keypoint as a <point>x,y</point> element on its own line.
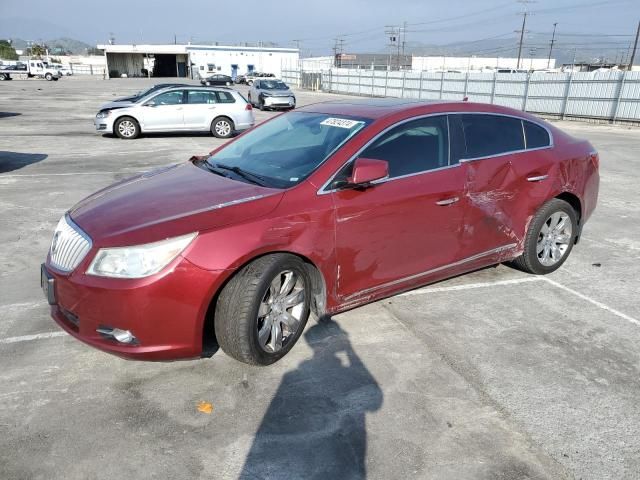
<point>279,102</point>
<point>103,125</point>
<point>164,313</point>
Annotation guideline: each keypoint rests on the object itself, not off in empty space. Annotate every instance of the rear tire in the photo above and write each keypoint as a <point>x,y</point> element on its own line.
<point>222,127</point>
<point>126,128</point>
<point>549,239</point>
<point>262,311</point>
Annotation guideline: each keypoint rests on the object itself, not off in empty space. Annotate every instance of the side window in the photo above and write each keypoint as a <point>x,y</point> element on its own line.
<point>201,96</point>
<point>225,97</point>
<point>487,135</point>
<point>169,98</point>
<point>413,147</point>
<point>535,136</point>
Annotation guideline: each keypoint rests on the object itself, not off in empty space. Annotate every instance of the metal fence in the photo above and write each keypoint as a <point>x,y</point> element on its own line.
<point>82,69</point>
<point>612,95</point>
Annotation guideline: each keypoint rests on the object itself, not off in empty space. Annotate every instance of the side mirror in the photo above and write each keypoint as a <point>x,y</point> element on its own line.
<point>150,103</point>
<point>368,170</point>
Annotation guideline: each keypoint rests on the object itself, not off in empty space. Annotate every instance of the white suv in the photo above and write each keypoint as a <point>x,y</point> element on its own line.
<point>223,111</point>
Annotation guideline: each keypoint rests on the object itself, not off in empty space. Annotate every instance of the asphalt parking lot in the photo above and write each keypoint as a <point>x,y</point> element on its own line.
<point>491,375</point>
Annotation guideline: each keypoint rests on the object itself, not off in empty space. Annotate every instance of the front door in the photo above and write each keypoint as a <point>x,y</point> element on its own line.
<point>164,111</point>
<point>406,226</point>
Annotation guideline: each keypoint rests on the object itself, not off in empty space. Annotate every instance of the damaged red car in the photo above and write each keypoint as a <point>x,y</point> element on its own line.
<point>319,210</point>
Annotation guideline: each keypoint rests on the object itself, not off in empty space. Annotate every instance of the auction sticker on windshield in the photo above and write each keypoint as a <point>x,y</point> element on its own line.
<point>340,122</point>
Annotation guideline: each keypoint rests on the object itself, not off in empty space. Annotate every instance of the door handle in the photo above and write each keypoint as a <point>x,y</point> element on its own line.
<point>448,201</point>
<point>537,178</point>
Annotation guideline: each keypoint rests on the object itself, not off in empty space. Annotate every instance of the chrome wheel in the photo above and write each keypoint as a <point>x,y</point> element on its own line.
<point>280,311</point>
<point>127,128</point>
<point>223,128</point>
<point>554,239</point>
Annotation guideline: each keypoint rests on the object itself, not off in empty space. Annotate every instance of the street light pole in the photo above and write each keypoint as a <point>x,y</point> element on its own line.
<point>635,46</point>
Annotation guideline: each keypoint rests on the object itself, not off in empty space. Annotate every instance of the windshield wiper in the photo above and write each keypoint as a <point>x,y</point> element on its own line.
<point>252,177</point>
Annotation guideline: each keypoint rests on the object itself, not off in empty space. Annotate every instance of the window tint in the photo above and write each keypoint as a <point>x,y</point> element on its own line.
<point>225,97</point>
<point>487,135</point>
<point>169,98</point>
<point>413,147</point>
<point>535,135</point>
<point>201,96</point>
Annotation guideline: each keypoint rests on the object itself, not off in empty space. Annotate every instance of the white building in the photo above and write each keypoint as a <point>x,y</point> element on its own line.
<point>195,61</point>
<point>477,63</point>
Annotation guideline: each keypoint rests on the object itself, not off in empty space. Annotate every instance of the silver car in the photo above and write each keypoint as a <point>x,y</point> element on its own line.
<point>222,111</point>
<point>271,93</point>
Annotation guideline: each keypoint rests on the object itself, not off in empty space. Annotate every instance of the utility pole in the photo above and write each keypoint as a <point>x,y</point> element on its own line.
<point>553,40</point>
<point>297,42</point>
<point>522,31</point>
<point>393,33</point>
<point>404,36</point>
<point>635,47</point>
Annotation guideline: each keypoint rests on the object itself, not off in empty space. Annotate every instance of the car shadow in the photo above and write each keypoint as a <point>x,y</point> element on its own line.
<point>10,161</point>
<point>315,426</point>
<point>9,114</point>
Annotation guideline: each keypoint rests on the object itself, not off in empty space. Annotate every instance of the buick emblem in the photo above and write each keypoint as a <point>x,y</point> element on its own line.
<point>54,243</point>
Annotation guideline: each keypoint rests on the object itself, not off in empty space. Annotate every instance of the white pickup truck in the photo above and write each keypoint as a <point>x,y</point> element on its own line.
<point>35,68</point>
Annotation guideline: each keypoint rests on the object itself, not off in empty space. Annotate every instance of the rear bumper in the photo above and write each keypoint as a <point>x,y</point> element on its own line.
<point>165,312</point>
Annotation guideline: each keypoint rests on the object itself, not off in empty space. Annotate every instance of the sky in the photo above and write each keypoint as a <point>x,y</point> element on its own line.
<point>316,24</point>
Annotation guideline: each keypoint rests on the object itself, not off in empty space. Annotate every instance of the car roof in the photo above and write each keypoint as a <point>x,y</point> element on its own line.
<point>375,108</point>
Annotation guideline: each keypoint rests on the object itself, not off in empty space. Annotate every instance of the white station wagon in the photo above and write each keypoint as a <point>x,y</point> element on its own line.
<point>222,111</point>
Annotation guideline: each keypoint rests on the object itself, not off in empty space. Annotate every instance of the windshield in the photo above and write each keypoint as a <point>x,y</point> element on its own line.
<point>273,85</point>
<point>286,150</point>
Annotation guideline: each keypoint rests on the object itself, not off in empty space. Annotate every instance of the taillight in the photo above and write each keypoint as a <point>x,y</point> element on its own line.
<point>595,159</point>
<point>248,107</point>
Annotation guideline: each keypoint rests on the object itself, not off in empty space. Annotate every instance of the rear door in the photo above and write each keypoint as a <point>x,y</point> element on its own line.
<point>165,111</point>
<point>496,164</point>
<point>200,109</point>
<point>398,230</point>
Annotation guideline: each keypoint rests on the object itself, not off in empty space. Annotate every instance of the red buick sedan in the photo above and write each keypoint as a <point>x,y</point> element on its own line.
<point>320,210</point>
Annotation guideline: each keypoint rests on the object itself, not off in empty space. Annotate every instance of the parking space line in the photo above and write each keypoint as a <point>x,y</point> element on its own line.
<point>29,338</point>
<point>592,301</point>
<point>470,286</point>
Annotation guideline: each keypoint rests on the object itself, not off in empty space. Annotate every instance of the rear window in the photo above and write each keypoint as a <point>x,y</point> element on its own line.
<point>225,97</point>
<point>488,135</point>
<point>535,135</point>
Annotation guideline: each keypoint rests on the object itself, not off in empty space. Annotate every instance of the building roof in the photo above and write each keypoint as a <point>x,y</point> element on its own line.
<point>183,48</point>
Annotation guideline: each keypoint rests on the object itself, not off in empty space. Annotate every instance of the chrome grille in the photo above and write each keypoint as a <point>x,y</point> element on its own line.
<point>68,246</point>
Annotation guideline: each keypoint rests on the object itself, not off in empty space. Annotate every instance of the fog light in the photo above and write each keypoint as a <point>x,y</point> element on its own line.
<point>122,336</point>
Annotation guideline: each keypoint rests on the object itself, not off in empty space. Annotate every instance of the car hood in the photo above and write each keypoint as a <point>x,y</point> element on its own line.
<point>120,103</point>
<point>169,201</point>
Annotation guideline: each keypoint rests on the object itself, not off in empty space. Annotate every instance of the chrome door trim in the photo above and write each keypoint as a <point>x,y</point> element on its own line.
<point>415,276</point>
<point>322,191</point>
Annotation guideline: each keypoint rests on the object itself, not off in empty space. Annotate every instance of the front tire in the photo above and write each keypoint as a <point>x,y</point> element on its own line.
<point>48,77</point>
<point>222,127</point>
<point>550,238</point>
<point>261,313</point>
<point>126,128</point>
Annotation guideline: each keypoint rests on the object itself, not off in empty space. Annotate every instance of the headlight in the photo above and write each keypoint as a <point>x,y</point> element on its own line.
<point>103,114</point>
<point>265,94</point>
<point>140,260</point>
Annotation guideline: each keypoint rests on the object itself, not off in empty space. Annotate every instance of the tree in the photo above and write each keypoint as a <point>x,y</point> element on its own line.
<point>7,52</point>
<point>37,50</point>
